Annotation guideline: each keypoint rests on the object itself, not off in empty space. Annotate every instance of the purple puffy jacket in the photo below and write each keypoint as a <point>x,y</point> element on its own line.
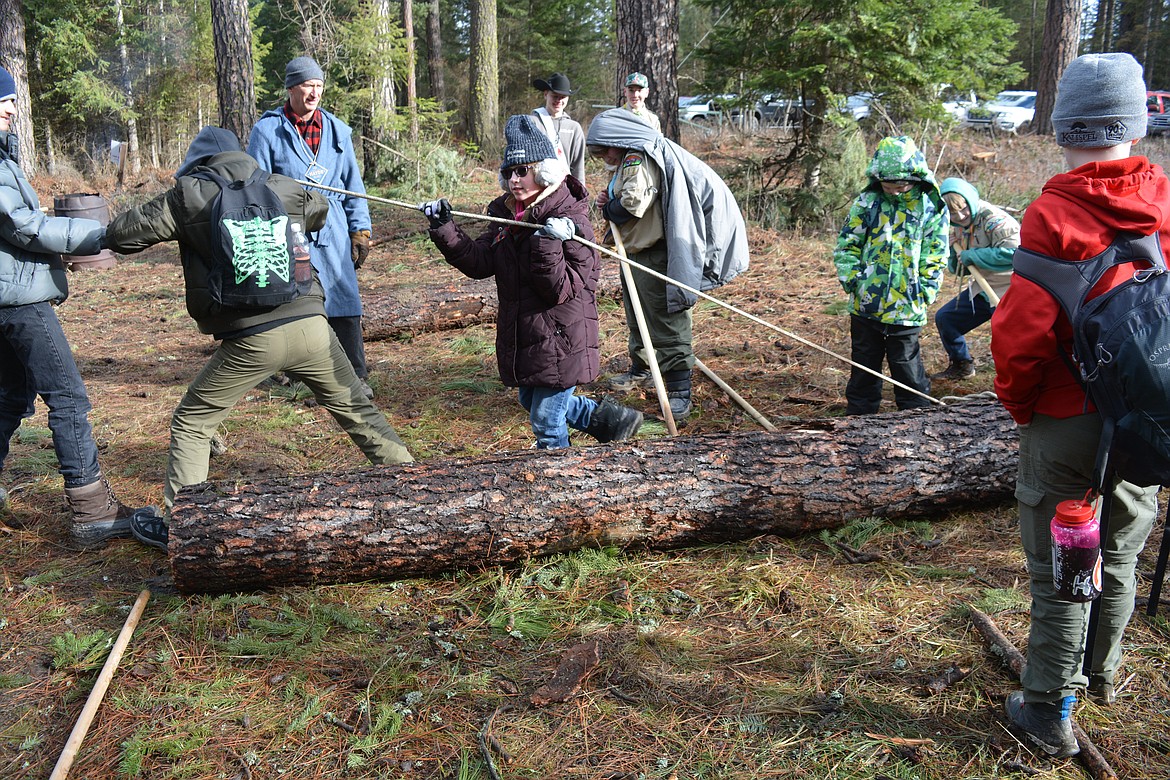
<point>546,331</point>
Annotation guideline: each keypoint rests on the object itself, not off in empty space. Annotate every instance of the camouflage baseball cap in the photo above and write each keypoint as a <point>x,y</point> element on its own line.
<point>636,79</point>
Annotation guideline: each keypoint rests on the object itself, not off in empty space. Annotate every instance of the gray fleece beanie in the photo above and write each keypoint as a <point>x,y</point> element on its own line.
<point>526,143</point>
<point>301,69</point>
<point>1100,102</point>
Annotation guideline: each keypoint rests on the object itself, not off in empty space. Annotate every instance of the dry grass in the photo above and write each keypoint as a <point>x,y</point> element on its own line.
<point>776,658</point>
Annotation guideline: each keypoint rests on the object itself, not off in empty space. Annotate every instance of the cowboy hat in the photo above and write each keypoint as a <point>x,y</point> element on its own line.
<point>557,82</point>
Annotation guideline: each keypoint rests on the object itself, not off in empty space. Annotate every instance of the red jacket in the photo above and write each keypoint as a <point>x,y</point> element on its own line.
<point>1076,217</point>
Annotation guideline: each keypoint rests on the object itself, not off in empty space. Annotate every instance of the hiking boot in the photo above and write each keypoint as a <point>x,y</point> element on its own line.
<point>97,515</point>
<point>1048,725</point>
<point>613,422</point>
<point>149,528</point>
<point>678,394</point>
<point>1102,692</point>
<point>958,369</point>
<point>637,376</point>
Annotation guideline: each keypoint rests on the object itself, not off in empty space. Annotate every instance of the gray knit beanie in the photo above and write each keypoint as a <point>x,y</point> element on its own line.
<point>302,69</point>
<point>1100,102</point>
<point>525,142</point>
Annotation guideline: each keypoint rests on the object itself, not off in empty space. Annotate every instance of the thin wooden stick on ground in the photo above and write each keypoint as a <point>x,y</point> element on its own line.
<point>73,744</point>
<point>1090,755</point>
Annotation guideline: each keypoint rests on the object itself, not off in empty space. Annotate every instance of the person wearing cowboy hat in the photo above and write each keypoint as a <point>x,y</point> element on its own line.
<point>568,139</point>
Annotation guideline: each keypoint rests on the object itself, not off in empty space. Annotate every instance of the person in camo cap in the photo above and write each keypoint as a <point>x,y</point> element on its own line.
<point>637,89</point>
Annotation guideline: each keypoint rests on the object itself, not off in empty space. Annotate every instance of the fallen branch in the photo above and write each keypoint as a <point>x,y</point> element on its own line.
<point>948,678</point>
<point>488,743</point>
<point>1092,758</point>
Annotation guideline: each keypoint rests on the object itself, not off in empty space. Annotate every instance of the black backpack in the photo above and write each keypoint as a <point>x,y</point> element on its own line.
<point>1121,345</point>
<point>252,242</point>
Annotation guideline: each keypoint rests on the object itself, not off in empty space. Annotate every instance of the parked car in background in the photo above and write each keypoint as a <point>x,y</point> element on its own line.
<point>779,111</point>
<point>858,105</point>
<point>1158,108</point>
<point>956,103</point>
<point>1010,111</point>
<point>699,109</point>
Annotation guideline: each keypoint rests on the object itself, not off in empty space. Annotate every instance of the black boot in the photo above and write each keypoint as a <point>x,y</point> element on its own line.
<point>613,422</point>
<point>678,394</point>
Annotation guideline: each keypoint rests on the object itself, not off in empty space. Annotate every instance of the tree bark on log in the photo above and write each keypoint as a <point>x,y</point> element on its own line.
<point>457,304</point>
<point>423,518</point>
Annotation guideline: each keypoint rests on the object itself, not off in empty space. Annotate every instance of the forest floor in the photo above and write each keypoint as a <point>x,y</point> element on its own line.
<point>772,658</point>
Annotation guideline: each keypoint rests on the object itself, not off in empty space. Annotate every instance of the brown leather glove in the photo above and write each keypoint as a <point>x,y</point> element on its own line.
<point>359,247</point>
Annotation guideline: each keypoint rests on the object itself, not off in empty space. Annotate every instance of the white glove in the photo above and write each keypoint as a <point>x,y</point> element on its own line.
<point>560,228</point>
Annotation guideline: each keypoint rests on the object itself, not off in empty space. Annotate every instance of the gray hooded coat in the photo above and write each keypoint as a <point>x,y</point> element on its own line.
<point>706,239</point>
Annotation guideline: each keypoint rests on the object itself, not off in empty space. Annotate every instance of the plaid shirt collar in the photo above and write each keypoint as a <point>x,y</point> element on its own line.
<point>309,129</point>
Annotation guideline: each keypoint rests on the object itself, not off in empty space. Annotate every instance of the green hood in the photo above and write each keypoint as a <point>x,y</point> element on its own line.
<point>965,190</point>
<point>898,158</point>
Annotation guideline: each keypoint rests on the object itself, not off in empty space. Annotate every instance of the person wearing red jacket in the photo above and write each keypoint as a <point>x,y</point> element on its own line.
<point>1098,116</point>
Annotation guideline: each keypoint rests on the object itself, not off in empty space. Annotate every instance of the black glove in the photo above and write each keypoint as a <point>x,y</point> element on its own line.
<point>438,212</point>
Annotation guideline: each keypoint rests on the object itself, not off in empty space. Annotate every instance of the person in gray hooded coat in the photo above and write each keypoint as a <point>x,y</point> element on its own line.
<point>35,358</point>
<point>682,221</point>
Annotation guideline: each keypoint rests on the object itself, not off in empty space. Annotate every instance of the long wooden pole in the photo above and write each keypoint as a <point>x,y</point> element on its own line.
<point>982,282</point>
<point>77,736</point>
<point>644,330</point>
<point>681,285</point>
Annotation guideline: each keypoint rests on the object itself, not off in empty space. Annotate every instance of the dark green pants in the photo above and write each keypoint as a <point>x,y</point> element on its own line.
<point>670,333</point>
<point>307,350</point>
<point>1056,464</point>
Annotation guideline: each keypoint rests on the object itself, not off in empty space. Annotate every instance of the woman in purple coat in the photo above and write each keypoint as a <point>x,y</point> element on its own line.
<point>546,331</point>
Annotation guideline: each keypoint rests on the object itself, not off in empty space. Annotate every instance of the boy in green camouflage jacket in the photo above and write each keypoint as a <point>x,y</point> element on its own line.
<point>890,258</point>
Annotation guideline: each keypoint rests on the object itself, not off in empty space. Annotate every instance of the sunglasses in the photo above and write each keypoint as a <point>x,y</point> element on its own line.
<point>519,170</point>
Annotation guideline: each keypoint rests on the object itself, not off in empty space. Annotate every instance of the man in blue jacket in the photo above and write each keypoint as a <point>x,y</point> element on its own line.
<point>35,358</point>
<point>304,141</point>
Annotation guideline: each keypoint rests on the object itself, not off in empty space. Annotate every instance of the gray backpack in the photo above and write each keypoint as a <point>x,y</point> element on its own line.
<point>1121,350</point>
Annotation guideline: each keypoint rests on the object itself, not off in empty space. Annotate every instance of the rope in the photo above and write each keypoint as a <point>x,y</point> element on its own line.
<point>643,269</point>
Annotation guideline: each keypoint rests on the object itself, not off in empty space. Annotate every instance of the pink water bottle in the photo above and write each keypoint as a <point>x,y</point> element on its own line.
<point>1076,551</point>
<point>302,270</point>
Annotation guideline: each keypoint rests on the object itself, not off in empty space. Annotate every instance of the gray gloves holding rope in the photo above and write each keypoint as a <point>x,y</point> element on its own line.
<point>438,212</point>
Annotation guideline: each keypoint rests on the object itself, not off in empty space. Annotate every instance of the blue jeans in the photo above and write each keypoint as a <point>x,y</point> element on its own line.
<point>35,359</point>
<point>551,411</point>
<point>958,316</point>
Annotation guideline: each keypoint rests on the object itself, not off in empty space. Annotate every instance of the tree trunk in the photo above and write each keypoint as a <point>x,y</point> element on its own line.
<point>235,79</point>
<point>647,41</point>
<point>1062,29</point>
<point>13,56</point>
<point>484,79</point>
<point>459,304</point>
<point>411,85</point>
<point>435,53</point>
<point>132,162</point>
<point>420,519</point>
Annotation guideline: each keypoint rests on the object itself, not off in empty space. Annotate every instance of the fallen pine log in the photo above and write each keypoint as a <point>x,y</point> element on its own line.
<point>391,522</point>
<point>459,303</point>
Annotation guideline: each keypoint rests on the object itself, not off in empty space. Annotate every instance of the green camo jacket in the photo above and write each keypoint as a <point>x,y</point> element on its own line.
<point>892,250</point>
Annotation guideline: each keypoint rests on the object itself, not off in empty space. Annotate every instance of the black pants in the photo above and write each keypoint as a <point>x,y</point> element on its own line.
<point>349,333</point>
<point>874,342</point>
